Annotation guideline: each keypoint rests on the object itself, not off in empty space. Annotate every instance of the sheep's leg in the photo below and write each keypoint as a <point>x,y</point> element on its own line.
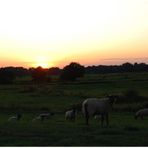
<point>87,120</point>
<point>102,119</point>
<point>107,120</point>
<point>86,114</point>
<point>72,119</point>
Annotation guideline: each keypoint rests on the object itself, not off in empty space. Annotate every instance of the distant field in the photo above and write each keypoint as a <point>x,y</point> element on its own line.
<point>57,97</point>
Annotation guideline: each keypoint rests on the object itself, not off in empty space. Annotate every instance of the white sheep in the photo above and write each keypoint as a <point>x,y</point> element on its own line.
<point>70,115</point>
<point>94,106</point>
<point>12,118</point>
<point>141,113</point>
<point>17,117</point>
<point>42,116</point>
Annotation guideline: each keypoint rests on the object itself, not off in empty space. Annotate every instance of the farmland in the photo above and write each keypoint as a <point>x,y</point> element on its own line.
<point>32,99</point>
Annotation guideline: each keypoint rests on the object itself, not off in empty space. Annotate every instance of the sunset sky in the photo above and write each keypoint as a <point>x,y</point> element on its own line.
<point>55,32</point>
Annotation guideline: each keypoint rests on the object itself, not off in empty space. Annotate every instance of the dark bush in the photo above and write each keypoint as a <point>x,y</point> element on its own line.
<point>40,75</point>
<point>72,71</point>
<point>131,128</point>
<point>6,76</point>
<point>54,71</point>
<point>130,96</point>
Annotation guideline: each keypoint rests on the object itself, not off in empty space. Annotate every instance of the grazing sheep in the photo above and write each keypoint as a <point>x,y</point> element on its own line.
<point>141,113</point>
<point>42,116</point>
<point>94,106</point>
<point>70,115</point>
<point>17,117</point>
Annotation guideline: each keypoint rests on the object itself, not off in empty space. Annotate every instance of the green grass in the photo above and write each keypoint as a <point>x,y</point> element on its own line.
<point>58,132</point>
<point>32,99</point>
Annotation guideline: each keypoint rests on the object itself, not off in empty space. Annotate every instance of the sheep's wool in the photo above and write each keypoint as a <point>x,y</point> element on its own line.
<point>97,106</point>
<point>69,114</point>
<point>142,112</point>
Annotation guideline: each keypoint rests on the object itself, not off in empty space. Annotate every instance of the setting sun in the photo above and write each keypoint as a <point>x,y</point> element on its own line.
<point>41,61</point>
<point>43,65</point>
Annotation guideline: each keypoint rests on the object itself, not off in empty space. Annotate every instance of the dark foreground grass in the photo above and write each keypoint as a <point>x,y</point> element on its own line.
<point>124,130</point>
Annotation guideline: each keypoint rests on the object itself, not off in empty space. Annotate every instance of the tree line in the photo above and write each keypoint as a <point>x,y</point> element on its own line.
<point>125,67</point>
<point>69,73</point>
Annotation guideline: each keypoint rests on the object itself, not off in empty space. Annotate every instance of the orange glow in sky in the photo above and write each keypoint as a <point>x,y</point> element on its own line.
<point>41,61</point>
<point>53,33</point>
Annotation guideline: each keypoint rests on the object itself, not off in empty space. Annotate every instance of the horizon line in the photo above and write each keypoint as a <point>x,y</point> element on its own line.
<point>27,67</point>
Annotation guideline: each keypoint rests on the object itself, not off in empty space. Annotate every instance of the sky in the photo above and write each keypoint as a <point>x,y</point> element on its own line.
<point>51,33</point>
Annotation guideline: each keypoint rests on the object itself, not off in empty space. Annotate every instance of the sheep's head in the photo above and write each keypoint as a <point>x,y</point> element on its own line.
<point>112,99</point>
<point>74,110</point>
<point>19,116</point>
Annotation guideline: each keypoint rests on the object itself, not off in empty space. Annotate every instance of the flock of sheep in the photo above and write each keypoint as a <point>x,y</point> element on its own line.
<point>91,107</point>
<point>41,117</point>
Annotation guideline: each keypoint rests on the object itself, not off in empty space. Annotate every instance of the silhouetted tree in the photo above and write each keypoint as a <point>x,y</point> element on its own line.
<point>125,67</point>
<point>6,76</point>
<point>39,75</point>
<point>54,71</point>
<point>72,71</point>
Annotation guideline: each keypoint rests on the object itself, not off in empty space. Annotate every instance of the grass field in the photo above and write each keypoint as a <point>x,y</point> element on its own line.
<point>57,97</point>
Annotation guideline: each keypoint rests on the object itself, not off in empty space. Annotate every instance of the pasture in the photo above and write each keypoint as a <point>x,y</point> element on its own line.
<point>57,97</point>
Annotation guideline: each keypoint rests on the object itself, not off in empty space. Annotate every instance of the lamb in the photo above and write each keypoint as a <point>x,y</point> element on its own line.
<point>141,113</point>
<point>17,117</point>
<point>42,116</point>
<point>94,106</point>
<point>70,115</point>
